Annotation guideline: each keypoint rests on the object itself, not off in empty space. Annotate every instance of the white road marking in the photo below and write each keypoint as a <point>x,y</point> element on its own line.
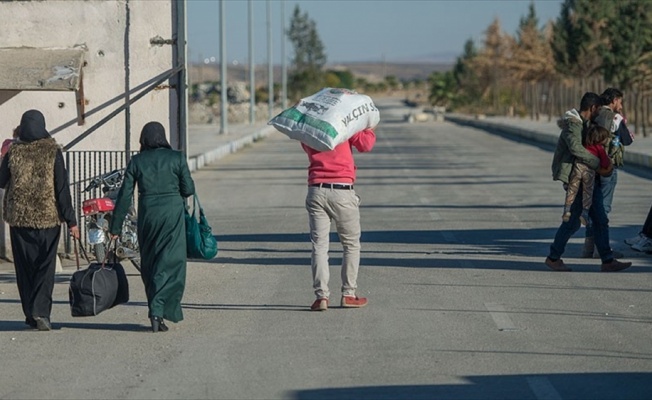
<point>500,317</point>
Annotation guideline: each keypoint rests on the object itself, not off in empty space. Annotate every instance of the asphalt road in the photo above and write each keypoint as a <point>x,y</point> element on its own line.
<point>456,225</point>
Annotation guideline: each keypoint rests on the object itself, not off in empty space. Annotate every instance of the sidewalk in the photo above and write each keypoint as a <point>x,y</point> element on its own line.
<point>206,144</point>
<point>638,153</point>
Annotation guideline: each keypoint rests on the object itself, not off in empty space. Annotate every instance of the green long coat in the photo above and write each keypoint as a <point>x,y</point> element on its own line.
<point>164,182</point>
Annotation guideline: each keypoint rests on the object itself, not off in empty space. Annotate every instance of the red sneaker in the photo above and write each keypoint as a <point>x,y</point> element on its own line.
<point>319,305</point>
<point>353,301</point>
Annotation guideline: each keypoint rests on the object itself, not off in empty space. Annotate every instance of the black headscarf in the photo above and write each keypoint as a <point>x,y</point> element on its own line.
<point>153,137</point>
<point>32,127</point>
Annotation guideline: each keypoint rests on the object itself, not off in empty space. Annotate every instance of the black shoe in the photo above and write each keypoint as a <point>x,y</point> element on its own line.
<point>42,323</point>
<point>158,325</point>
<point>30,321</point>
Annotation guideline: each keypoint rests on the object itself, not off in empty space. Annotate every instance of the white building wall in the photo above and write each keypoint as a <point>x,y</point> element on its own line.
<point>102,26</point>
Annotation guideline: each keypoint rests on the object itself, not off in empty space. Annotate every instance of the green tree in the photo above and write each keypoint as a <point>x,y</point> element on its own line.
<point>346,79</point>
<point>468,90</point>
<point>361,83</point>
<point>629,33</point>
<point>578,36</point>
<point>443,89</point>
<point>309,58</point>
<point>332,80</point>
<point>531,59</point>
<point>392,82</point>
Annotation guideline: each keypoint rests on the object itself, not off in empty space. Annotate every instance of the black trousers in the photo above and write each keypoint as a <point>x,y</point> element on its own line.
<point>35,252</point>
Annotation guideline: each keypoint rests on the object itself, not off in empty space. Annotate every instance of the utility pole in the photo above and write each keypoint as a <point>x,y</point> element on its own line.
<point>223,62</point>
<point>270,69</point>
<point>252,66</point>
<point>284,68</point>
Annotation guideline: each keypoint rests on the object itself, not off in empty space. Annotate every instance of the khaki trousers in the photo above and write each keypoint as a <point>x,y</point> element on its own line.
<point>342,206</point>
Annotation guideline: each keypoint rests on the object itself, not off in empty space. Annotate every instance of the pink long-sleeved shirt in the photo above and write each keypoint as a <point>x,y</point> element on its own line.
<point>337,165</point>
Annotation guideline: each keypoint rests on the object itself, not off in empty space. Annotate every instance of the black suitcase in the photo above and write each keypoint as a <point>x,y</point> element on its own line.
<point>92,290</point>
<point>97,288</point>
<point>122,295</point>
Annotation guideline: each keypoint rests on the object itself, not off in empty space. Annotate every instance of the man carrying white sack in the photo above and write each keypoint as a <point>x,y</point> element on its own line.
<point>331,197</point>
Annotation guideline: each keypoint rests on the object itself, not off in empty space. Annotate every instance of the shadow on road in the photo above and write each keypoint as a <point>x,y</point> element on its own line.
<point>247,307</point>
<point>10,277</point>
<point>8,326</point>
<point>476,248</point>
<point>595,386</point>
<point>103,326</point>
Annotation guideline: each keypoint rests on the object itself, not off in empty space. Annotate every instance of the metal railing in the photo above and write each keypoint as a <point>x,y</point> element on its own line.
<point>82,166</point>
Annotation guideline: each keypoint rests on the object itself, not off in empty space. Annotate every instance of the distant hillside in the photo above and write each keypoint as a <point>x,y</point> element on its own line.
<point>402,71</point>
<point>372,71</point>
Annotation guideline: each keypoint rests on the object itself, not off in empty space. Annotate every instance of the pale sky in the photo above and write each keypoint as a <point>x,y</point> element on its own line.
<point>358,30</point>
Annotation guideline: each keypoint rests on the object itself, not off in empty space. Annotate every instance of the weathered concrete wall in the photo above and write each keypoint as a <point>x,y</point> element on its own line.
<point>102,27</point>
<point>116,35</point>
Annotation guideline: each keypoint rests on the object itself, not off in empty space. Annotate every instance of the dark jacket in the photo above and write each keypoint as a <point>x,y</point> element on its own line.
<point>616,149</point>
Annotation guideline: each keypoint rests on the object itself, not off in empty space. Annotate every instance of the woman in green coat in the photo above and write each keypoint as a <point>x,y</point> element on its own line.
<point>164,182</point>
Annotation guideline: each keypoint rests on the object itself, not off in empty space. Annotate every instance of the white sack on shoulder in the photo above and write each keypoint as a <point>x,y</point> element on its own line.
<point>327,118</point>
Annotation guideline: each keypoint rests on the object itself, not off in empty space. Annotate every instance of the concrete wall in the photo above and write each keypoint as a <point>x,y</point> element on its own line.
<point>116,35</point>
<point>102,27</point>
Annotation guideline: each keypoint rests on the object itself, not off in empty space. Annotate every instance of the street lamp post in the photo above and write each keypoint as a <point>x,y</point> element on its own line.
<point>223,62</point>
<point>252,66</point>
<point>284,68</point>
<point>270,69</point>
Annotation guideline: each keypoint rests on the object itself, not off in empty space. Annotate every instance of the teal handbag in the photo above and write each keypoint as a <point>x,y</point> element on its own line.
<point>200,242</point>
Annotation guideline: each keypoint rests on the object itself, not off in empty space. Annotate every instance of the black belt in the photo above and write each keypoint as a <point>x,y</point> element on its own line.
<point>333,186</point>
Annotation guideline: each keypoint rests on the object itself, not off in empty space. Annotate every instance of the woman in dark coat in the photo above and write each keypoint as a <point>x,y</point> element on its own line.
<point>36,202</point>
<point>164,182</point>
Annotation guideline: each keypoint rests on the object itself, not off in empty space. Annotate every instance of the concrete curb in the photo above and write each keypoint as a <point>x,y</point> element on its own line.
<point>508,129</point>
<point>200,160</point>
<point>503,128</point>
